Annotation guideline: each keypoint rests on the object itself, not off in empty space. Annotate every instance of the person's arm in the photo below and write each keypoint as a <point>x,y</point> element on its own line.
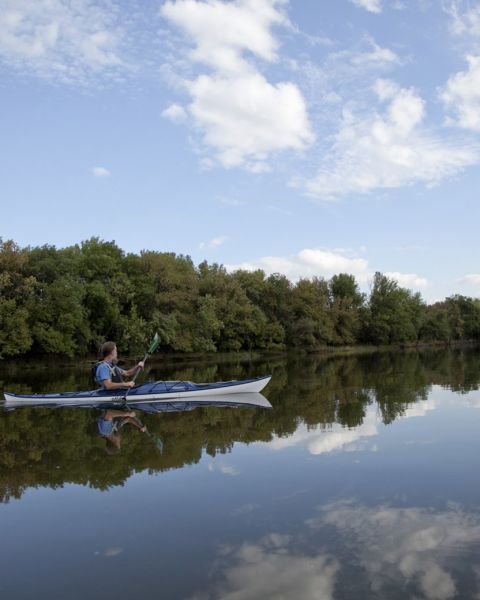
<point>134,369</point>
<point>137,423</point>
<point>113,413</point>
<point>108,384</point>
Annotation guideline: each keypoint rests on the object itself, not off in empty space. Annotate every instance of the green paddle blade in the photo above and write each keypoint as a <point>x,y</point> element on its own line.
<point>155,344</point>
<point>157,440</point>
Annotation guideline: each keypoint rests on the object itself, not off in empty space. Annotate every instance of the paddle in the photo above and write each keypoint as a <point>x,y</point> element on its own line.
<point>153,346</point>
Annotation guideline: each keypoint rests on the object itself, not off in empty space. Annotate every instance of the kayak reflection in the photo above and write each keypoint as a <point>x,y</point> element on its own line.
<point>111,420</point>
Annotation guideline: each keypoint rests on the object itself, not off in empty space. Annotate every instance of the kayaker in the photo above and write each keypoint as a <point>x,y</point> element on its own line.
<point>108,374</point>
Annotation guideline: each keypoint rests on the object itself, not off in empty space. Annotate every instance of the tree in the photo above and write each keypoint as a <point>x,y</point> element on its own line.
<point>394,313</point>
<point>346,301</point>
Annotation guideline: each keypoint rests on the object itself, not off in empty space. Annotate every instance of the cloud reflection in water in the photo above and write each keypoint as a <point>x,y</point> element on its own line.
<point>415,546</point>
<point>351,550</point>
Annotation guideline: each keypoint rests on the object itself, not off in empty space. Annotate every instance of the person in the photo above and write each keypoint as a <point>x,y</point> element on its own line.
<point>108,374</point>
<point>109,424</point>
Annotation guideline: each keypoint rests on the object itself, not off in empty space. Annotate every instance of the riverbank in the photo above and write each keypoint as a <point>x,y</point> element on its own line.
<point>193,358</point>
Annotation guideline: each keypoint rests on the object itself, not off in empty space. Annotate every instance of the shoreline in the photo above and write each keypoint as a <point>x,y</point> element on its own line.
<point>242,356</point>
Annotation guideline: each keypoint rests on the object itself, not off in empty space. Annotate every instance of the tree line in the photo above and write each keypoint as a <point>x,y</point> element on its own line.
<point>67,301</point>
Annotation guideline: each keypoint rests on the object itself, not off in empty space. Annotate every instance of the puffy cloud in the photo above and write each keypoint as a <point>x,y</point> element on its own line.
<point>221,31</point>
<point>245,118</point>
<point>214,243</point>
<point>242,118</point>
<point>55,39</point>
<point>314,262</point>
<point>309,263</point>
<point>464,23</point>
<point>175,113</point>
<point>387,150</point>
<point>100,172</point>
<point>462,95</point>
<point>373,6</point>
<point>472,279</point>
<point>408,280</point>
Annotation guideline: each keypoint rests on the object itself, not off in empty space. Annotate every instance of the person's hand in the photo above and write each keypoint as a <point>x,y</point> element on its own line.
<point>129,384</point>
<point>144,429</point>
<point>141,365</point>
<point>131,413</point>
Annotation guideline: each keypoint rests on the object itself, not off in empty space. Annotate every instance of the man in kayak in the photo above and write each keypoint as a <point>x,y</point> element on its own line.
<point>108,374</point>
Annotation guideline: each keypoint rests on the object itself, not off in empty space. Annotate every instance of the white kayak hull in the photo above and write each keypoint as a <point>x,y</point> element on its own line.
<point>221,392</point>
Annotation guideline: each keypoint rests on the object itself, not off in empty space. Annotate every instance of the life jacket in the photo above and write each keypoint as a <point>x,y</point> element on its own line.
<point>115,375</point>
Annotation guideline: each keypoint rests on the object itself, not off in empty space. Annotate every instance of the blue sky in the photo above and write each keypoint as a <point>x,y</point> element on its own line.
<point>302,137</point>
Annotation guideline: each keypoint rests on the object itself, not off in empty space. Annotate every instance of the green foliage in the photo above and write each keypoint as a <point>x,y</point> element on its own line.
<point>393,314</point>
<point>68,301</point>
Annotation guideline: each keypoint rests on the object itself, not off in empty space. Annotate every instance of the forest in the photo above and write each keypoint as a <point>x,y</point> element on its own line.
<point>68,301</point>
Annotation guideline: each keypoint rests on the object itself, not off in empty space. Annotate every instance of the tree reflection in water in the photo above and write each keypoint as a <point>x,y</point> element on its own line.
<point>44,447</point>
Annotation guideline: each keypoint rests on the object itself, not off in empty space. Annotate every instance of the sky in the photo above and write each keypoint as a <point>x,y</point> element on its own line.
<point>303,137</point>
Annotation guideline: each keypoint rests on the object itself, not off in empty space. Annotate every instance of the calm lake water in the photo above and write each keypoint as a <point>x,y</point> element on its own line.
<point>361,482</point>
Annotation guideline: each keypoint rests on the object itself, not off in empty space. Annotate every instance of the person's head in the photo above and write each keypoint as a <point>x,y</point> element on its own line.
<point>108,351</point>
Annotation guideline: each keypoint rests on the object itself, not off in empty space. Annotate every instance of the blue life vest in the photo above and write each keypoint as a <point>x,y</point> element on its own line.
<point>115,374</point>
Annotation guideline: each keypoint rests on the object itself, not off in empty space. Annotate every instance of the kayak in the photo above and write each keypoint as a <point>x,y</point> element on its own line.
<point>246,400</point>
<point>151,391</point>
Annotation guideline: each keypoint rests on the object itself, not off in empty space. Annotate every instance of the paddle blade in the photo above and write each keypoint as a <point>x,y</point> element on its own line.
<point>155,344</point>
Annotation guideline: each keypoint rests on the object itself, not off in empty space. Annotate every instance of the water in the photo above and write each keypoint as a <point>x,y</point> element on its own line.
<point>361,482</point>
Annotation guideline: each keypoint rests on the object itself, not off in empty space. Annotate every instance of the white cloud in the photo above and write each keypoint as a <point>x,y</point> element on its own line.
<point>462,95</point>
<point>60,40</point>
<point>100,172</point>
<point>309,263</point>
<point>240,116</point>
<point>471,279</point>
<point>464,23</point>
<point>175,113</point>
<point>314,262</point>
<point>214,243</point>
<point>399,546</point>
<point>387,150</point>
<point>230,201</point>
<point>373,6</point>
<point>408,280</point>
<point>271,568</point>
<point>377,55</point>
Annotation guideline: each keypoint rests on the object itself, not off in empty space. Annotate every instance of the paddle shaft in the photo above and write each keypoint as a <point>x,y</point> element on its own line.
<point>147,354</point>
<point>139,369</point>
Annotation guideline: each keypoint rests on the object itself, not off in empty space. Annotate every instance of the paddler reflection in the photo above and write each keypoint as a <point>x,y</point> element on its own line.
<point>109,424</point>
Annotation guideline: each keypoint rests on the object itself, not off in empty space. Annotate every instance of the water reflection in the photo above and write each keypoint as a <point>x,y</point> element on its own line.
<point>272,568</point>
<point>319,440</point>
<point>110,423</point>
<point>372,552</point>
<point>418,548</point>
<point>362,482</point>
<point>324,403</point>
